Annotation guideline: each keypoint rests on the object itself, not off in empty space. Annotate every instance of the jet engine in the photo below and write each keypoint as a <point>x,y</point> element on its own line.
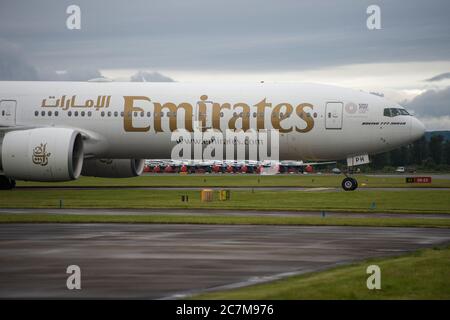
<point>42,154</point>
<point>113,168</point>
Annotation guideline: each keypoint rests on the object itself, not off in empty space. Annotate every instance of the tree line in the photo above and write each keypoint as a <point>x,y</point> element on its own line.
<point>431,153</point>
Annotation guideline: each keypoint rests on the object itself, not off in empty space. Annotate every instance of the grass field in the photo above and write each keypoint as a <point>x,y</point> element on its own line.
<point>421,275</point>
<point>242,220</point>
<point>239,180</point>
<point>424,201</point>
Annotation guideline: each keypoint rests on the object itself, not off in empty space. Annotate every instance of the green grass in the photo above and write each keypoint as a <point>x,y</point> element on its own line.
<point>238,180</point>
<point>421,275</point>
<point>229,220</point>
<point>425,201</point>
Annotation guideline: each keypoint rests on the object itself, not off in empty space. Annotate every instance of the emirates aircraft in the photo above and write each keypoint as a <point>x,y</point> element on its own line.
<point>57,131</point>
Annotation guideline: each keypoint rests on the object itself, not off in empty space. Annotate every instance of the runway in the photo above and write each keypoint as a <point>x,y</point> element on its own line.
<point>149,261</point>
<point>223,212</point>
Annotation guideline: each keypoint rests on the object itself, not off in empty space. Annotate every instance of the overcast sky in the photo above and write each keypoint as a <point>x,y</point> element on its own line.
<point>307,41</point>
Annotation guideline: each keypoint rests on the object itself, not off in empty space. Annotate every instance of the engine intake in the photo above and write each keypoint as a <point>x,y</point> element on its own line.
<point>43,154</point>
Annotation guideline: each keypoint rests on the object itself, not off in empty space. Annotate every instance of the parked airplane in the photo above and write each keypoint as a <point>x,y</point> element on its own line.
<point>57,131</point>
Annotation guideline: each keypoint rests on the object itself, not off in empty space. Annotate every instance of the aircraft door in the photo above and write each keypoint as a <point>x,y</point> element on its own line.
<point>333,116</point>
<point>7,113</point>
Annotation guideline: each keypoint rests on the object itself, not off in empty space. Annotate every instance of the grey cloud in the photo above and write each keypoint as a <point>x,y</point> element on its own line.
<point>144,76</point>
<point>432,103</point>
<point>71,74</point>
<point>227,35</point>
<point>439,77</point>
<point>13,65</point>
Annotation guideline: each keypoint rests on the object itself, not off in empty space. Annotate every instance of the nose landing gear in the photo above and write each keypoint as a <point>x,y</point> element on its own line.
<point>349,184</point>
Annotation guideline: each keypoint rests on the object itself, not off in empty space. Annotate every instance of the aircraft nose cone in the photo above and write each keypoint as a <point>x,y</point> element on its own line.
<point>417,129</point>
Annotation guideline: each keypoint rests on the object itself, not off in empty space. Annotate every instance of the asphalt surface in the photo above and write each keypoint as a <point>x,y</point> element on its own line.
<point>171,261</point>
<point>303,189</point>
<point>222,212</point>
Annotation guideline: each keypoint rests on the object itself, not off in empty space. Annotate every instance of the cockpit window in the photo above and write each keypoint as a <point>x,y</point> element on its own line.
<point>393,112</point>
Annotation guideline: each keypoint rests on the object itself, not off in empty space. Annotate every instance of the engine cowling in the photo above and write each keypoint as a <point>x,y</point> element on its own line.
<point>113,168</point>
<point>42,154</point>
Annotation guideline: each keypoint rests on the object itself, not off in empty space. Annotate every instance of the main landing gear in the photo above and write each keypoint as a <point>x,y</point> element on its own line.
<point>7,183</point>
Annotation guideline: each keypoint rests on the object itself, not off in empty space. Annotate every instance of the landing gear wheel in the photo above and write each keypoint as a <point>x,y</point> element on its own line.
<point>349,184</point>
<point>7,183</point>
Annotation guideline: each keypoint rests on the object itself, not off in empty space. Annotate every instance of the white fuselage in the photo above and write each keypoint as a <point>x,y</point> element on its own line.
<point>133,120</point>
